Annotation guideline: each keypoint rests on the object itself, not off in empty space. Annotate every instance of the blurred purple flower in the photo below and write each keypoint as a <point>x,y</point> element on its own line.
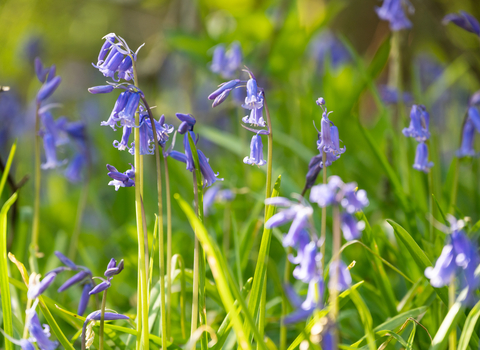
<point>39,334</point>
<point>209,177</point>
<point>254,98</point>
<point>226,62</point>
<point>325,47</point>
<point>419,124</point>
<point>351,228</point>
<point>463,20</point>
<point>344,280</point>
<point>256,152</point>
<point>421,158</point>
<point>389,95</point>
<point>303,309</point>
<point>393,11</point>
<point>468,138</point>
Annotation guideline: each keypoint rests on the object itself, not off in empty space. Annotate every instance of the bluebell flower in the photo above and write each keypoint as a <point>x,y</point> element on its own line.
<point>145,141</point>
<point>102,89</point>
<point>344,280</point>
<point>351,228</point>
<point>328,141</point>
<point>187,122</point>
<point>37,287</point>
<point>326,47</point>
<point>126,179</point>
<point>218,59</point>
<point>226,62</point>
<point>463,20</point>
<point>444,269</point>
<point>109,40</point>
<point>353,200</point>
<point>219,95</point>
<point>84,298</point>
<point>73,172</point>
<point>77,278</point>
<point>326,194</point>
<point>66,261</point>
<point>297,213</point>
<point>300,243</point>
<point>50,152</point>
<point>256,152</point>
<point>389,95</point>
<point>256,116</point>
<point>393,12</point>
<point>181,157</point>
<point>474,116</point>
<point>421,158</point>
<point>127,115</point>
<point>314,167</point>
<point>253,99</point>
<point>303,309</point>
<point>474,100</point>
<point>188,151</point>
<point>308,267</point>
<point>112,270</point>
<point>125,70</point>
<point>39,334</point>
<point>162,129</point>
<point>48,89</point>
<point>119,106</point>
<point>209,177</point>
<point>468,139</point>
<point>109,67</point>
<point>51,72</point>
<point>40,71</point>
<point>123,144</point>
<point>216,194</point>
<point>419,124</point>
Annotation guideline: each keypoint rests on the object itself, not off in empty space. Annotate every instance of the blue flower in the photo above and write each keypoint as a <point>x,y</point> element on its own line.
<point>48,89</point>
<point>119,106</point>
<point>219,95</point>
<point>326,194</point>
<point>77,278</point>
<point>187,122</point>
<point>326,47</point>
<point>112,270</point>
<point>126,179</point>
<point>444,269</point>
<point>144,141</point>
<point>50,152</point>
<point>352,229</point>
<point>127,115</point>
<point>40,71</point>
<point>225,62</point>
<point>84,298</point>
<point>421,158</point>
<point>419,124</point>
<point>298,214</point>
<point>74,170</point>
<point>463,20</point>
<point>215,194</point>
<point>468,139</point>
<point>256,152</point>
<point>389,95</point>
<point>39,334</point>
<point>256,116</point>
<point>303,309</point>
<point>344,280</point>
<point>37,287</point>
<point>308,268</point>
<point>353,200</point>
<point>328,138</point>
<point>254,98</point>
<point>209,177</point>
<point>123,144</point>
<point>102,89</point>
<point>314,167</point>
<point>393,12</point>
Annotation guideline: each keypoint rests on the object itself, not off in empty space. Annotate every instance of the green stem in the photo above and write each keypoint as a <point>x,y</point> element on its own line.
<point>25,329</point>
<point>452,338</point>
<point>102,320</point>
<point>82,203</point>
<point>323,233</point>
<point>196,273</point>
<point>334,275</point>
<point>286,280</point>
<point>169,247</point>
<point>175,258</point>
<point>36,205</point>
<point>430,206</point>
<point>160,228</point>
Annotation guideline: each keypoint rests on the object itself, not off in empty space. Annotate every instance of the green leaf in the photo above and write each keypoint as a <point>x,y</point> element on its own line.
<point>469,327</point>
<point>365,317</point>
<point>411,337</point>
<point>7,167</point>
<point>54,326</point>
<point>394,335</point>
<point>4,285</point>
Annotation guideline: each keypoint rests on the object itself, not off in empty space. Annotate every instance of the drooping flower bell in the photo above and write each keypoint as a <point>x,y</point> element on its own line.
<point>254,98</point>
<point>351,228</point>
<point>226,62</point>
<point>421,158</point>
<point>419,124</point>
<point>344,279</point>
<point>304,308</point>
<point>256,151</point>
<point>328,141</point>
<point>468,139</point>
<point>216,194</point>
<point>219,95</point>
<point>126,179</point>
<point>463,20</point>
<point>209,177</point>
<point>41,335</point>
<point>393,11</point>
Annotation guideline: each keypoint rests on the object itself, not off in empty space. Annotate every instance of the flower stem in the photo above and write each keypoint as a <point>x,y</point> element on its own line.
<point>102,320</point>
<point>160,227</point>
<point>25,329</point>
<point>323,233</point>
<point>196,259</point>
<point>334,275</point>
<point>286,280</point>
<point>82,203</point>
<point>36,205</point>
<point>452,338</point>
<point>169,247</point>
<point>430,206</point>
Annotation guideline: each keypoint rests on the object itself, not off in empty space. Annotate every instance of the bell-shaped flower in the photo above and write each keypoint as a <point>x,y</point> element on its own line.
<point>123,143</point>
<point>308,268</point>
<point>209,177</point>
<point>73,172</point>
<point>343,278</point>
<point>39,334</point>
<point>216,194</point>
<point>256,116</point>
<point>219,95</point>
<point>441,275</point>
<point>127,115</point>
<point>353,200</point>
<point>187,122</point>
<point>48,89</point>
<point>327,194</point>
<point>144,141</point>
<point>393,12</point>
<point>66,261</point>
<point>50,152</point>
<point>463,20</point>
<point>421,158</point>
<point>77,278</point>
<point>303,309</point>
<point>109,40</point>
<point>101,89</point>
<point>162,129</point>
<point>125,69</point>
<point>119,106</point>
<point>40,71</point>
<point>226,62</point>
<point>100,287</point>
<point>125,179</point>
<point>84,298</point>
<point>474,117</point>
<point>114,269</point>
<point>37,287</point>
<point>468,139</point>
<point>218,59</point>
<point>256,152</point>
<point>419,124</point>
<point>351,228</point>
<point>252,101</point>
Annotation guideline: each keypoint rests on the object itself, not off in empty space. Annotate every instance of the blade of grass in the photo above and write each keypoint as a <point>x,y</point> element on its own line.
<point>7,167</point>
<point>365,317</point>
<point>469,327</point>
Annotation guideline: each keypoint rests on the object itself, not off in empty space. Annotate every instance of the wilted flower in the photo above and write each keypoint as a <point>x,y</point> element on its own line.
<point>421,158</point>
<point>126,179</point>
<point>463,20</point>
<point>393,12</point>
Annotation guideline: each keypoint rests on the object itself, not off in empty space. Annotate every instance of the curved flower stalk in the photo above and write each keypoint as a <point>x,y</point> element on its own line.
<point>393,11</point>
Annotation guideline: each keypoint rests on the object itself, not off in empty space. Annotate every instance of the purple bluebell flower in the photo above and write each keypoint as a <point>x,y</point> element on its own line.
<point>162,129</point>
<point>84,298</point>
<point>73,172</point>
<point>219,95</point>
<point>328,138</point>
<point>112,270</point>
<point>393,12</point>
<point>389,95</point>
<point>344,279</point>
<point>109,40</point>
<point>353,200</point>
<point>326,47</point>
<point>125,70</point>
<point>302,240</point>
<point>101,89</point>
<point>226,62</point>
<point>66,261</point>
<point>314,167</point>
<point>188,151</point>
<point>463,20</point>
<point>181,157</point>
<point>77,278</point>
<point>50,152</point>
<point>474,99</point>
<point>327,194</point>
<point>108,316</point>
<point>39,334</point>
<point>253,99</point>
<point>216,194</point>
<point>468,139</point>
<point>126,179</point>
<point>218,59</point>
<point>36,288</point>
<point>111,64</point>
<point>209,177</point>
<point>187,122</point>
<point>123,144</point>
<point>419,124</point>
<point>303,309</point>
<point>351,228</point>
<point>40,71</point>
<point>308,267</point>
<point>127,114</point>
<point>474,116</point>
<point>421,158</point>
<point>256,116</point>
<point>119,106</point>
<point>100,287</point>
<point>444,269</point>
<point>48,89</point>
<point>299,214</point>
<point>51,72</point>
<point>144,141</point>
<point>256,152</point>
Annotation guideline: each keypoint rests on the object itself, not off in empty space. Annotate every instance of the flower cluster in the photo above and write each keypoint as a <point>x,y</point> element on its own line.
<point>459,256</point>
<point>254,102</point>
<point>418,129</point>
<point>186,129</point>
<point>226,62</point>
<point>347,196</point>
<point>126,179</point>
<point>328,143</point>
<point>393,11</point>
<point>58,132</point>
<point>112,270</point>
<point>471,124</point>
<point>463,20</point>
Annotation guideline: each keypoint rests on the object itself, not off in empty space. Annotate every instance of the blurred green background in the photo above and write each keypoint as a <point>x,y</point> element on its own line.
<point>441,69</point>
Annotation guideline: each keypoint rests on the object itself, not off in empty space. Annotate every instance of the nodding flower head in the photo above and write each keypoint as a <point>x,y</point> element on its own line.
<point>254,98</point>
<point>351,228</point>
<point>119,106</point>
<point>112,270</point>
<point>187,122</point>
<point>328,138</point>
<point>123,143</point>
<point>339,270</point>
<point>40,335</point>
<point>256,115</point>
<point>126,179</point>
<point>393,12</point>
<point>309,267</point>
<point>463,20</point>
<point>209,177</point>
<point>256,151</point>
<point>421,158</point>
<point>304,308</point>
<point>126,116</point>
<point>48,89</point>
<point>468,139</point>
<point>419,124</point>
<point>226,62</point>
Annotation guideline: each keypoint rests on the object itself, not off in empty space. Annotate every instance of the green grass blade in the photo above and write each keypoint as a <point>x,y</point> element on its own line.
<point>411,337</point>
<point>4,285</point>
<point>365,317</point>
<point>469,327</point>
<point>7,167</point>
<point>54,326</point>
<point>393,335</point>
